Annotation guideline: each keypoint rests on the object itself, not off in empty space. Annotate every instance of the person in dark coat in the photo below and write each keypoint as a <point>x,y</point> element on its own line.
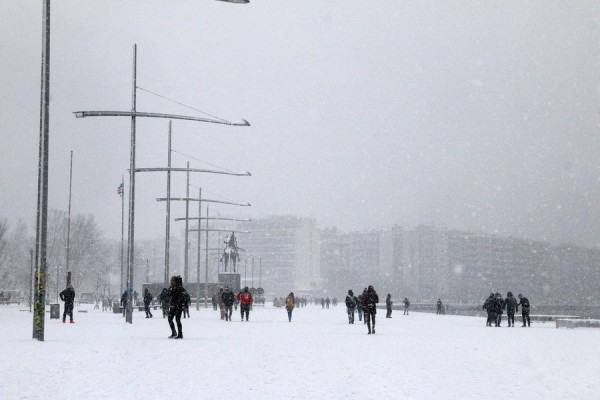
<point>350,306</point>
<point>440,310</point>
<point>68,296</point>
<point>490,306</point>
<point>370,300</point>
<point>214,302</point>
<point>510,304</point>
<point>499,308</point>
<point>164,301</point>
<point>228,300</point>
<point>359,308</point>
<point>388,306</point>
<point>124,302</point>
<point>177,294</point>
<point>147,299</point>
<point>524,303</point>
<point>406,305</point>
<point>188,302</point>
<point>322,302</point>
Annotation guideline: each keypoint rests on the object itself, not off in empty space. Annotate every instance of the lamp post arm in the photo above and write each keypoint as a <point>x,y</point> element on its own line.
<point>245,173</point>
<point>203,200</point>
<point>215,218</point>
<point>84,114</point>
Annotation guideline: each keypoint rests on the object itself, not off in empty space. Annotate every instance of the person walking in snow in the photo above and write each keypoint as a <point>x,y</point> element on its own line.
<point>124,302</point>
<point>327,302</point>
<point>228,300</point>
<point>439,307</point>
<point>322,302</point>
<point>290,303</point>
<point>359,305</point>
<point>406,305</point>
<point>524,303</point>
<point>350,306</point>
<point>186,308</point>
<point>147,299</point>
<point>163,297</point>
<point>68,296</point>
<point>220,303</point>
<point>388,306</point>
<point>510,304</point>
<point>490,306</point>
<point>370,300</point>
<point>177,294</point>
<point>245,299</point>
<point>499,308</point>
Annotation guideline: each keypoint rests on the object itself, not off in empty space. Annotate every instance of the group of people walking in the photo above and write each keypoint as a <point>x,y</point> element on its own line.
<point>365,303</point>
<point>495,306</point>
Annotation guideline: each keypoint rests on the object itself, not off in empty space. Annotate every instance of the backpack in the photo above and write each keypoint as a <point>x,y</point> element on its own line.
<point>350,303</point>
<point>289,302</point>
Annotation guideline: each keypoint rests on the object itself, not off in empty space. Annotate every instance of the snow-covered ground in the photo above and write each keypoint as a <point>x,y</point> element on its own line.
<point>316,356</point>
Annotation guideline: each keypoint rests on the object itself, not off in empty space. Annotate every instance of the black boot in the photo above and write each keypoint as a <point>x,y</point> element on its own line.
<point>173,335</point>
<point>180,336</point>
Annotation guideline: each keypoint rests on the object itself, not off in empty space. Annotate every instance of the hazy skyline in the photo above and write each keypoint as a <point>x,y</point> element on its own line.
<point>474,115</point>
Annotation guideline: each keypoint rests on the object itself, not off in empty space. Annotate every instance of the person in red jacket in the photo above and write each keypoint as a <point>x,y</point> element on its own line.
<point>245,299</point>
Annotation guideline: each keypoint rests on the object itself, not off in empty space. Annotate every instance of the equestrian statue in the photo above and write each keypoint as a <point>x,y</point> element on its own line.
<point>231,251</point>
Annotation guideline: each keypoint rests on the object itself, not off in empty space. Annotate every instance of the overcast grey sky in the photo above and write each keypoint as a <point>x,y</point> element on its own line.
<point>481,116</point>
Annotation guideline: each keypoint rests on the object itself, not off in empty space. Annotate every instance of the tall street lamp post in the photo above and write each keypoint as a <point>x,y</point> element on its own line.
<point>41,237</point>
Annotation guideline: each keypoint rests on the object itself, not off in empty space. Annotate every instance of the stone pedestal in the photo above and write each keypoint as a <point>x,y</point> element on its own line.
<point>233,280</point>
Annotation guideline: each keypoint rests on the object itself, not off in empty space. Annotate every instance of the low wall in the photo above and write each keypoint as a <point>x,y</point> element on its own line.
<point>577,323</point>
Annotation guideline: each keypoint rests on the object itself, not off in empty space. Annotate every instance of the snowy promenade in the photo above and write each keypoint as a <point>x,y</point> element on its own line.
<point>318,356</point>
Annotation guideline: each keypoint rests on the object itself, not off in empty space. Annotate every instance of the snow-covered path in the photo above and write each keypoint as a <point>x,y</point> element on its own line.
<point>316,356</point>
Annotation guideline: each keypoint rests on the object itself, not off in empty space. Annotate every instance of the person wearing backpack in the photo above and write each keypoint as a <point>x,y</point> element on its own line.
<point>290,303</point>
<point>147,299</point>
<point>524,303</point>
<point>350,306</point>
<point>406,305</point>
<point>370,300</point>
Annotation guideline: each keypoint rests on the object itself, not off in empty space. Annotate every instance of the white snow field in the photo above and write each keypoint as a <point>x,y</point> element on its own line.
<point>316,356</point>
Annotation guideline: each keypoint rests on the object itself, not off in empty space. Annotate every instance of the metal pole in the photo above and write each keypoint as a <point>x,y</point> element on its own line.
<point>245,270</point>
<point>31,283</point>
<point>198,256</point>
<point>147,271</point>
<point>252,274</point>
<point>42,200</point>
<point>57,267</point>
<point>69,212</point>
<point>131,222</point>
<point>206,263</point>
<point>260,272</point>
<point>187,215</point>
<point>121,288</point>
<point>168,217</point>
